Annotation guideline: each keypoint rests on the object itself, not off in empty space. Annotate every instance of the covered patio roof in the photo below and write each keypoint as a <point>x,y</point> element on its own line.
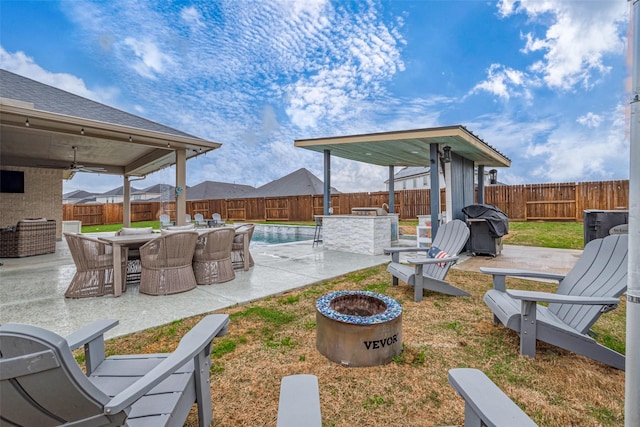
<point>40,124</point>
<point>44,127</point>
<point>408,147</point>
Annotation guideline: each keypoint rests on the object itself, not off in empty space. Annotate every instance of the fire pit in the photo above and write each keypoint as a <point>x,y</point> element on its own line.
<point>358,328</point>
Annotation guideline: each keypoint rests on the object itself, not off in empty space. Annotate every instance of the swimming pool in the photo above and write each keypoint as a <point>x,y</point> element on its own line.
<point>261,238</point>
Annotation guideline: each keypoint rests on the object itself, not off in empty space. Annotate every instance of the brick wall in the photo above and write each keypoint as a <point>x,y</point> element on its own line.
<point>42,197</point>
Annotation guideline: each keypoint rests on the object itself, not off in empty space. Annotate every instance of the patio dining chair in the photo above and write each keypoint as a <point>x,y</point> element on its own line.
<point>212,257</point>
<point>166,263</point>
<point>238,248</point>
<point>133,258</point>
<point>94,267</point>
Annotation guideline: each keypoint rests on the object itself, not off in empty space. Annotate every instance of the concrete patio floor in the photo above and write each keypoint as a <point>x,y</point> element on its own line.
<point>32,289</point>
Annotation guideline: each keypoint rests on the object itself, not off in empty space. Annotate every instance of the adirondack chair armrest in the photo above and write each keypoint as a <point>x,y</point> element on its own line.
<point>425,260</point>
<point>299,402</point>
<point>90,333</point>
<point>563,299</point>
<point>485,403</point>
<point>197,340</point>
<point>521,273</point>
<point>500,275</point>
<point>395,252</point>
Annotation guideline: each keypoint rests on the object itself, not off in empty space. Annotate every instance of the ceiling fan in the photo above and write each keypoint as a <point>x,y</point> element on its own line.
<point>75,167</point>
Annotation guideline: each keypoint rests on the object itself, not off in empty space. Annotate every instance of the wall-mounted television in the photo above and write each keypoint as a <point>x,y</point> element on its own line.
<point>11,181</point>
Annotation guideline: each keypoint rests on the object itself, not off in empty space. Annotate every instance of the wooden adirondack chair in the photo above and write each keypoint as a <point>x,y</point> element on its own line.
<point>42,385</point>
<point>429,273</point>
<point>485,404</point>
<point>592,287</point>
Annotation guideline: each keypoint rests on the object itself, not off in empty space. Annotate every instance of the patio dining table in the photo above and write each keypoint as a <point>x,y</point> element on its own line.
<point>117,242</point>
<point>137,239</point>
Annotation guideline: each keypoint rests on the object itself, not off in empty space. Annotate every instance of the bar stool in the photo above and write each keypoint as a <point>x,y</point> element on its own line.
<point>317,233</point>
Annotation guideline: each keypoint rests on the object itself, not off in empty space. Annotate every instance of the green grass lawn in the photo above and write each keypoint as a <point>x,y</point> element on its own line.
<point>562,235</point>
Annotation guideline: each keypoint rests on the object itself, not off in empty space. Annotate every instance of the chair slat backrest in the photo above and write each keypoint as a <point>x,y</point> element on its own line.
<point>42,385</point>
<point>173,249</point>
<point>601,270</point>
<point>215,244</point>
<point>451,238</point>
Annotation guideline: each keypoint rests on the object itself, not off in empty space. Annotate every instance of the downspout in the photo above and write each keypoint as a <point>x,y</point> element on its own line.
<point>481,184</point>
<point>632,363</point>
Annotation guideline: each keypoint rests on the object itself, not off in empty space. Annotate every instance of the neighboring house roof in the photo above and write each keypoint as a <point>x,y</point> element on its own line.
<point>118,192</point>
<point>159,189</point>
<point>412,171</point>
<point>54,100</point>
<point>208,190</point>
<point>298,183</point>
<point>77,194</point>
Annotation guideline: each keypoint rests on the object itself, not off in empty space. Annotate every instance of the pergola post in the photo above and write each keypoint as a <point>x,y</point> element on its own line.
<point>181,185</point>
<point>126,203</point>
<point>434,174</point>
<point>327,182</point>
<point>391,189</point>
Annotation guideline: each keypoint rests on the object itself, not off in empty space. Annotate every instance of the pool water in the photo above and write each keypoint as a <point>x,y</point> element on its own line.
<point>261,238</point>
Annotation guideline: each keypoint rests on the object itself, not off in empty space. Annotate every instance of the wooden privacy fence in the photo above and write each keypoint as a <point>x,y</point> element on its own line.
<point>529,202</point>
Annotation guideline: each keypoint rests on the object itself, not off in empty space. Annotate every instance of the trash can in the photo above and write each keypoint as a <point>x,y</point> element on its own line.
<point>598,223</point>
<point>487,225</point>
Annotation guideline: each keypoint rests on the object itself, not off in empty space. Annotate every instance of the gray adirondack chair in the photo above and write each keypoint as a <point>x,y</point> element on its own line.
<point>42,385</point>
<point>429,273</point>
<point>299,403</point>
<point>485,404</point>
<point>591,288</point>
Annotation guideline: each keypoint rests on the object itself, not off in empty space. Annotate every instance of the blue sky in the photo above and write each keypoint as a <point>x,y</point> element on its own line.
<point>544,82</point>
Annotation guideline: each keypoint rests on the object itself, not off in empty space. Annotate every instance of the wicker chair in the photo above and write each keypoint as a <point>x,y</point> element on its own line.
<point>134,268</point>
<point>212,258</point>
<point>94,267</point>
<point>237,250</point>
<point>166,263</point>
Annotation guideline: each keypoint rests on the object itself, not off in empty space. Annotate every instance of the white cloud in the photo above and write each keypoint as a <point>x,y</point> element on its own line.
<point>505,83</point>
<point>590,120</point>
<point>24,65</point>
<point>570,153</point>
<point>580,35</point>
<point>150,60</point>
<point>192,17</point>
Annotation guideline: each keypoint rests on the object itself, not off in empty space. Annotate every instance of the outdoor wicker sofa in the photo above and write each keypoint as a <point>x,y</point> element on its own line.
<point>29,237</point>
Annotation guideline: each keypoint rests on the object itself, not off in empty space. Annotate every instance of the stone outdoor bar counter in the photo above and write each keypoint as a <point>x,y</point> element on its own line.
<point>359,234</point>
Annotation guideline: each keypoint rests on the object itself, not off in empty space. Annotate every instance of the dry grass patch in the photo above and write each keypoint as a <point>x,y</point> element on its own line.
<point>275,337</point>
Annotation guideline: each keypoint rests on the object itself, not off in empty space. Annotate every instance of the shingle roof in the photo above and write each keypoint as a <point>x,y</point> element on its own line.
<point>208,190</point>
<point>298,183</point>
<point>77,194</point>
<point>54,100</point>
<point>117,192</point>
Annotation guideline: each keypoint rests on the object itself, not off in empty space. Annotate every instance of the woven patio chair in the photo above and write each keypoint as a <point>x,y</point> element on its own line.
<point>212,258</point>
<point>94,267</point>
<point>237,250</point>
<point>166,263</point>
<point>134,268</point>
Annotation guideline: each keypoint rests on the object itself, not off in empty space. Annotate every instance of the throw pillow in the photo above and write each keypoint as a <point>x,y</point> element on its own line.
<point>437,253</point>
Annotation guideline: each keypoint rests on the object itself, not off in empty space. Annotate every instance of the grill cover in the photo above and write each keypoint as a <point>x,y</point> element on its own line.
<point>496,219</point>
